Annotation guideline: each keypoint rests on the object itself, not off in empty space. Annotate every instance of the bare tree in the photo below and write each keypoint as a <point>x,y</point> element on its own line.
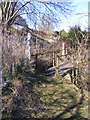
<point>11,10</point>
<point>46,24</point>
<point>80,54</point>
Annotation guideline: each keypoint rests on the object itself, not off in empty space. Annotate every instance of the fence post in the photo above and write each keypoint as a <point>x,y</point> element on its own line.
<point>77,75</point>
<point>56,69</point>
<point>13,67</point>
<point>66,53</point>
<point>74,71</point>
<point>71,75</point>
<point>80,70</point>
<point>63,48</point>
<point>29,46</point>
<point>36,64</point>
<point>53,59</point>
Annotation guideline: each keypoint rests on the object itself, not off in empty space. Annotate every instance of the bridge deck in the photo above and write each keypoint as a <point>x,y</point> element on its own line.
<point>63,69</point>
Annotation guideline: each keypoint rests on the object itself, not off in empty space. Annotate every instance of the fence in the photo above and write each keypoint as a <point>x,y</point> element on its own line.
<point>79,66</point>
<point>16,45</point>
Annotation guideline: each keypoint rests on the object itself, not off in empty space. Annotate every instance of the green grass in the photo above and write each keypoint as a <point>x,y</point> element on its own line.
<point>56,98</point>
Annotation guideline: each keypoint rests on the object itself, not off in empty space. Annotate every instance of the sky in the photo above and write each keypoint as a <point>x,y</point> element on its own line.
<point>79,16</point>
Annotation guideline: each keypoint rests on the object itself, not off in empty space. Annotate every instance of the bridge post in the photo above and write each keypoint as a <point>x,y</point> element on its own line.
<point>63,47</point>
<point>36,64</point>
<point>53,59</point>
<point>77,72</point>
<point>80,72</point>
<point>71,75</point>
<point>56,70</point>
<point>74,71</point>
<point>66,52</point>
<point>28,46</point>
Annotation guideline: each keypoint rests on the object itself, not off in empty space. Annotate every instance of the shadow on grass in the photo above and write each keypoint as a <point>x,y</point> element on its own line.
<point>76,115</point>
<point>30,79</point>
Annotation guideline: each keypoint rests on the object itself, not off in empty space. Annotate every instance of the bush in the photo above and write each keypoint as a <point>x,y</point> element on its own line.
<point>18,70</point>
<point>7,74</point>
<point>6,90</point>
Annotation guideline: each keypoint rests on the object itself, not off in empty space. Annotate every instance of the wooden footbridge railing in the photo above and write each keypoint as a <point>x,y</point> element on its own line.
<point>69,66</point>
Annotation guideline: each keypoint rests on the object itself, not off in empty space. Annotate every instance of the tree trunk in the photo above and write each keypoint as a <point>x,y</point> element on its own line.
<point>0,55</point>
<point>0,71</point>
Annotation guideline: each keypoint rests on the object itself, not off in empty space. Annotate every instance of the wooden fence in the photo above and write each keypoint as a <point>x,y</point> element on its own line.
<point>15,45</point>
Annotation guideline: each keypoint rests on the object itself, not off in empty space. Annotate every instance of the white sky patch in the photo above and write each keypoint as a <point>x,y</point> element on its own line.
<point>81,1</point>
<point>78,17</point>
<point>82,12</point>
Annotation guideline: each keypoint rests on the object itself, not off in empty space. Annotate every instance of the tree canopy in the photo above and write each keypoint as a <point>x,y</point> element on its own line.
<point>63,34</point>
<point>75,33</point>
